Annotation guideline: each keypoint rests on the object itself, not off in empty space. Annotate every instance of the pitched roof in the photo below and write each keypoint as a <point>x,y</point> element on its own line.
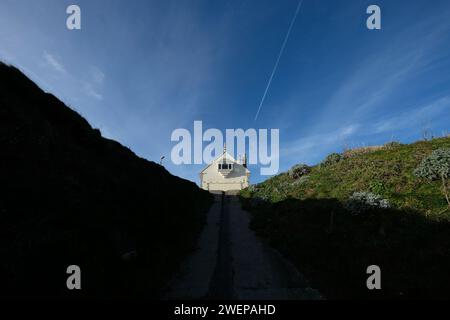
<point>225,155</point>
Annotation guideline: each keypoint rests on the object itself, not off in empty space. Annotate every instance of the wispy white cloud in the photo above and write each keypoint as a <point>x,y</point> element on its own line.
<point>88,89</point>
<point>54,63</point>
<point>97,75</point>
<point>348,130</point>
<point>413,118</point>
<point>365,89</point>
<point>381,76</point>
<point>324,140</point>
<point>311,147</point>
<point>92,86</point>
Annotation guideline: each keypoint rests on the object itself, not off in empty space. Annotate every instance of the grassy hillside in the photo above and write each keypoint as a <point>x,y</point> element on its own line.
<point>70,196</point>
<point>308,220</point>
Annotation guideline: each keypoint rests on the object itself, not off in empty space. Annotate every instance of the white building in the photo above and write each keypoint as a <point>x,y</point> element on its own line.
<point>225,173</point>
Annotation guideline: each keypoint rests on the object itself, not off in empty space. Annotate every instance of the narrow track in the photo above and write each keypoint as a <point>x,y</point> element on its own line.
<point>231,262</point>
<point>221,285</point>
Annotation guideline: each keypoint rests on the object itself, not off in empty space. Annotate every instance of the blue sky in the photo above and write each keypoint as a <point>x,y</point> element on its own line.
<point>137,70</point>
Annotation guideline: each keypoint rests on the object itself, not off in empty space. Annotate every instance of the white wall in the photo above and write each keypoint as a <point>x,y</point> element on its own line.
<point>212,179</point>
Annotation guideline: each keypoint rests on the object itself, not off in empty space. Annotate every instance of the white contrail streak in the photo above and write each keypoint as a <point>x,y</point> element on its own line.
<point>279,56</point>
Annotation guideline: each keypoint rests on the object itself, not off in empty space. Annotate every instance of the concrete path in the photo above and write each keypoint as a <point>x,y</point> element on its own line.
<point>231,262</point>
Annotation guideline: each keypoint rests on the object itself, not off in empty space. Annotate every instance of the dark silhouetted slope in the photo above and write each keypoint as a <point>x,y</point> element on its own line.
<point>70,196</point>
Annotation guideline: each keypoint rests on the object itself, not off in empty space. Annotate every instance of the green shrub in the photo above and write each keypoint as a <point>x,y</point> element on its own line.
<point>360,202</point>
<point>377,187</point>
<point>299,170</point>
<point>332,159</point>
<point>436,167</point>
<point>301,180</point>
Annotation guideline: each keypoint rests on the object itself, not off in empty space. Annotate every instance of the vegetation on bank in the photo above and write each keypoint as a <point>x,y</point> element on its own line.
<point>72,197</point>
<point>380,205</point>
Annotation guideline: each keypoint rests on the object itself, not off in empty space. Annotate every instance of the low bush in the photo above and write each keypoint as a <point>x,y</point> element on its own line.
<point>301,180</point>
<point>331,159</point>
<point>360,202</point>
<point>299,170</point>
<point>436,167</point>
